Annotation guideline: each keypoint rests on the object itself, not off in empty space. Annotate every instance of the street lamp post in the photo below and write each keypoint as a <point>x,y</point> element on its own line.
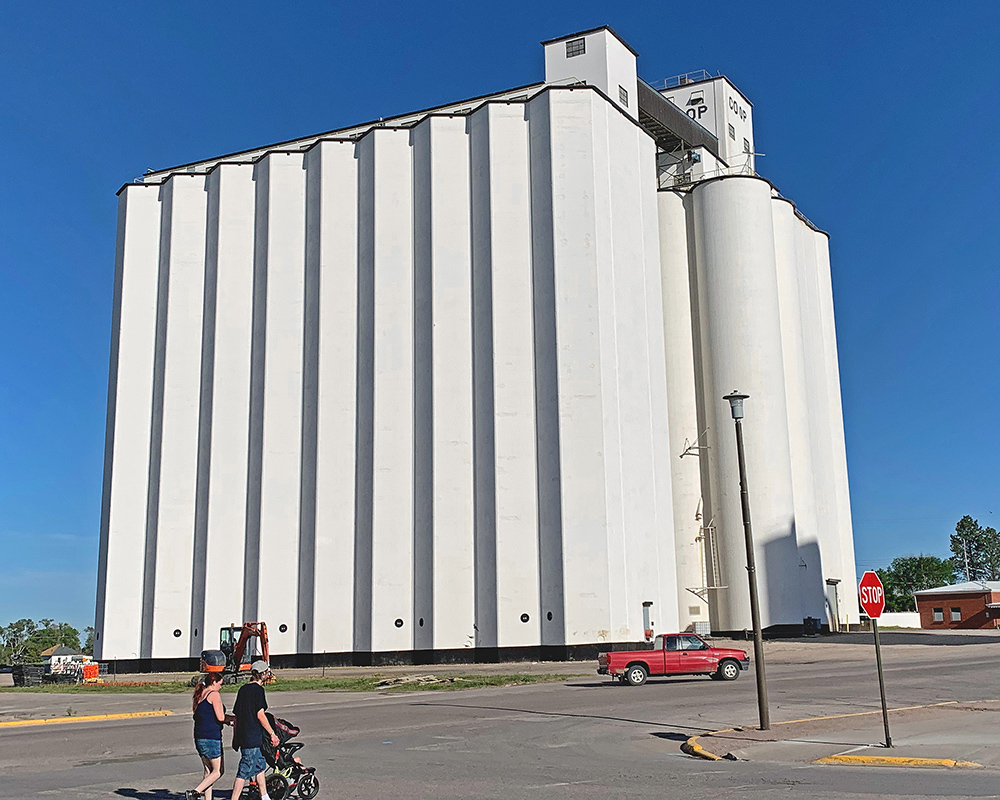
<point>736,406</point>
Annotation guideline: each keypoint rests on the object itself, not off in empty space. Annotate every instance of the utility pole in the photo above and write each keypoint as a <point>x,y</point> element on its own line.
<point>736,406</point>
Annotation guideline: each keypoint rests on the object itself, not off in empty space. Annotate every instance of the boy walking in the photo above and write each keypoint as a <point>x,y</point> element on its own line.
<point>250,728</point>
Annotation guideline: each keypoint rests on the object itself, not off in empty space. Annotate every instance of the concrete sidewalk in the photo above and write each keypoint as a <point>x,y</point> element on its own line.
<point>948,735</point>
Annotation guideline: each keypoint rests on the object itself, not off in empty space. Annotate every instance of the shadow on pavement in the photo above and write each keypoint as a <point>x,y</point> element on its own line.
<point>672,736</point>
<point>558,714</point>
<point>165,794</point>
<point>609,684</point>
<point>597,685</point>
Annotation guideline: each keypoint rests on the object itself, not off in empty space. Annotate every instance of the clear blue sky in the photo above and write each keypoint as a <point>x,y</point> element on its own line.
<point>881,120</point>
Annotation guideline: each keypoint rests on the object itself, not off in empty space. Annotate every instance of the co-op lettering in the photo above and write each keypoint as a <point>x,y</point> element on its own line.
<point>696,112</point>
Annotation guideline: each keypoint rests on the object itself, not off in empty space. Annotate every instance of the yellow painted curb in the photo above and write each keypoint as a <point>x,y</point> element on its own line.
<point>897,761</point>
<point>22,723</point>
<point>692,748</point>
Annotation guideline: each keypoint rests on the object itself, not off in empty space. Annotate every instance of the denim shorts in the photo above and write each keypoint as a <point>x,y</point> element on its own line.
<point>208,748</point>
<point>252,763</point>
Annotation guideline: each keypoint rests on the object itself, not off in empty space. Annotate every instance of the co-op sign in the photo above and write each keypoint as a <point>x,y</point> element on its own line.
<point>698,107</point>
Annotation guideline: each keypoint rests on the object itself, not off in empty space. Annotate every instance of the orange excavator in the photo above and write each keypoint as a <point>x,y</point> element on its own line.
<point>237,651</point>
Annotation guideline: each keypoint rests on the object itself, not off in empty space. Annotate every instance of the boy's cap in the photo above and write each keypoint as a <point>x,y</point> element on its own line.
<point>260,667</point>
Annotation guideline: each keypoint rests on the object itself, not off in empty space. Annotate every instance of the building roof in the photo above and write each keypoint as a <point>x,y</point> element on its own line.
<point>970,587</point>
<point>578,34</point>
<point>407,120</point>
<point>669,126</point>
<point>59,650</point>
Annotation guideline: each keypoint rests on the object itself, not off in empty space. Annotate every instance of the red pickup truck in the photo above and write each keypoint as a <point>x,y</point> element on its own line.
<point>674,654</point>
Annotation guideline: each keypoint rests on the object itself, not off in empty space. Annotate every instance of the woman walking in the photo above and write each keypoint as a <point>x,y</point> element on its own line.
<point>209,717</point>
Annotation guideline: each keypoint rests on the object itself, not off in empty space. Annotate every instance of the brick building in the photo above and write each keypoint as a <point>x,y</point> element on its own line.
<point>975,604</point>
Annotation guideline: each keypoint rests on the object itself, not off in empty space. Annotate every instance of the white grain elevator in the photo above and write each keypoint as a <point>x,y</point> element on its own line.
<point>448,385</point>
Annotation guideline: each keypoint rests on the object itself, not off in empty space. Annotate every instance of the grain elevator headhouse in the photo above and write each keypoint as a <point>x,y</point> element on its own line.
<point>448,385</point>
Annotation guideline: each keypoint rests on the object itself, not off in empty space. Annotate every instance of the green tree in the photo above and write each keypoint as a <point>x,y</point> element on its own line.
<point>14,641</point>
<point>909,574</point>
<point>976,550</point>
<point>88,644</point>
<point>49,633</point>
<point>22,642</point>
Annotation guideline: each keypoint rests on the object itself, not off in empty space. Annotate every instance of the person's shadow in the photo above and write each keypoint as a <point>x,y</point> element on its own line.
<point>151,794</point>
<point>163,794</point>
<point>167,794</point>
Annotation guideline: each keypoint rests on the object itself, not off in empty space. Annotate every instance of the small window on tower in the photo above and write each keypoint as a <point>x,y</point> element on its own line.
<point>956,615</point>
<point>732,132</point>
<point>746,145</point>
<point>623,95</point>
<point>939,615</point>
<point>576,47</point>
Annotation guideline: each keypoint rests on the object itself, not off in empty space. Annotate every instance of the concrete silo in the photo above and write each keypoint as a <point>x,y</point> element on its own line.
<point>842,591</point>
<point>789,232</point>
<point>740,330</point>
<point>695,573</point>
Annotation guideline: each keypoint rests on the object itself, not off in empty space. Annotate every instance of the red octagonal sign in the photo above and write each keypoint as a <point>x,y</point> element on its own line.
<point>872,595</point>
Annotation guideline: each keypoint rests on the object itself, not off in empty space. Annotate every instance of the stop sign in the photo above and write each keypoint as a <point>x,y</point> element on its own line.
<point>871,593</point>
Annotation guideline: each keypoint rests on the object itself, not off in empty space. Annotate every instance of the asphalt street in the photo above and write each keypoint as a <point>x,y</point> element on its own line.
<point>582,737</point>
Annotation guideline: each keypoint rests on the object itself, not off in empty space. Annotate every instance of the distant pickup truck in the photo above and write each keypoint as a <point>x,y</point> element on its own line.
<point>674,654</point>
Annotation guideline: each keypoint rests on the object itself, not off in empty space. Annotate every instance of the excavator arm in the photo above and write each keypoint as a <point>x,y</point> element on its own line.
<point>250,630</point>
<point>232,659</point>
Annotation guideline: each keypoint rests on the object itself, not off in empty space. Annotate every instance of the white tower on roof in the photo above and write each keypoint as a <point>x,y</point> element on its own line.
<point>599,58</point>
<point>715,104</point>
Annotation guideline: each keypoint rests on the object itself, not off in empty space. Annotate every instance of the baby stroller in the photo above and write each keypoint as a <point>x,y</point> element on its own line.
<point>287,775</point>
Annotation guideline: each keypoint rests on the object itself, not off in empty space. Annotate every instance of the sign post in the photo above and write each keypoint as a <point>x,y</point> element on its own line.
<point>871,593</point>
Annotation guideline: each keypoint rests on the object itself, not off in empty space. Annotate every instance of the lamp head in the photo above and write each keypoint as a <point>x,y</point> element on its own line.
<point>736,403</point>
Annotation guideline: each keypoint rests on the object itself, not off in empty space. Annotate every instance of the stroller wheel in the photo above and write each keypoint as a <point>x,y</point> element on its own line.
<point>308,786</point>
<point>277,786</point>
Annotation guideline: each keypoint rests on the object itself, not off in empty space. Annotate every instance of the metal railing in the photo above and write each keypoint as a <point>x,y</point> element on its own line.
<point>668,179</point>
<point>683,79</point>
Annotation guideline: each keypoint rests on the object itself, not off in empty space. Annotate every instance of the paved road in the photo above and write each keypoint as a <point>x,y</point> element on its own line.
<point>580,738</point>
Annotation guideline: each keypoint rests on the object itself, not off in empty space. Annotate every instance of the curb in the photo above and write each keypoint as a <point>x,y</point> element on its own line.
<point>23,723</point>
<point>897,761</point>
<point>692,748</point>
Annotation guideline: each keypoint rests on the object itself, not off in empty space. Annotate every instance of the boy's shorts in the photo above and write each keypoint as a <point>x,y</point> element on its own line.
<point>252,763</point>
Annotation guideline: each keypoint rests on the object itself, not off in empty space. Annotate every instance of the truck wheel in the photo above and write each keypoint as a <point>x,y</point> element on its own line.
<point>729,670</point>
<point>636,675</point>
